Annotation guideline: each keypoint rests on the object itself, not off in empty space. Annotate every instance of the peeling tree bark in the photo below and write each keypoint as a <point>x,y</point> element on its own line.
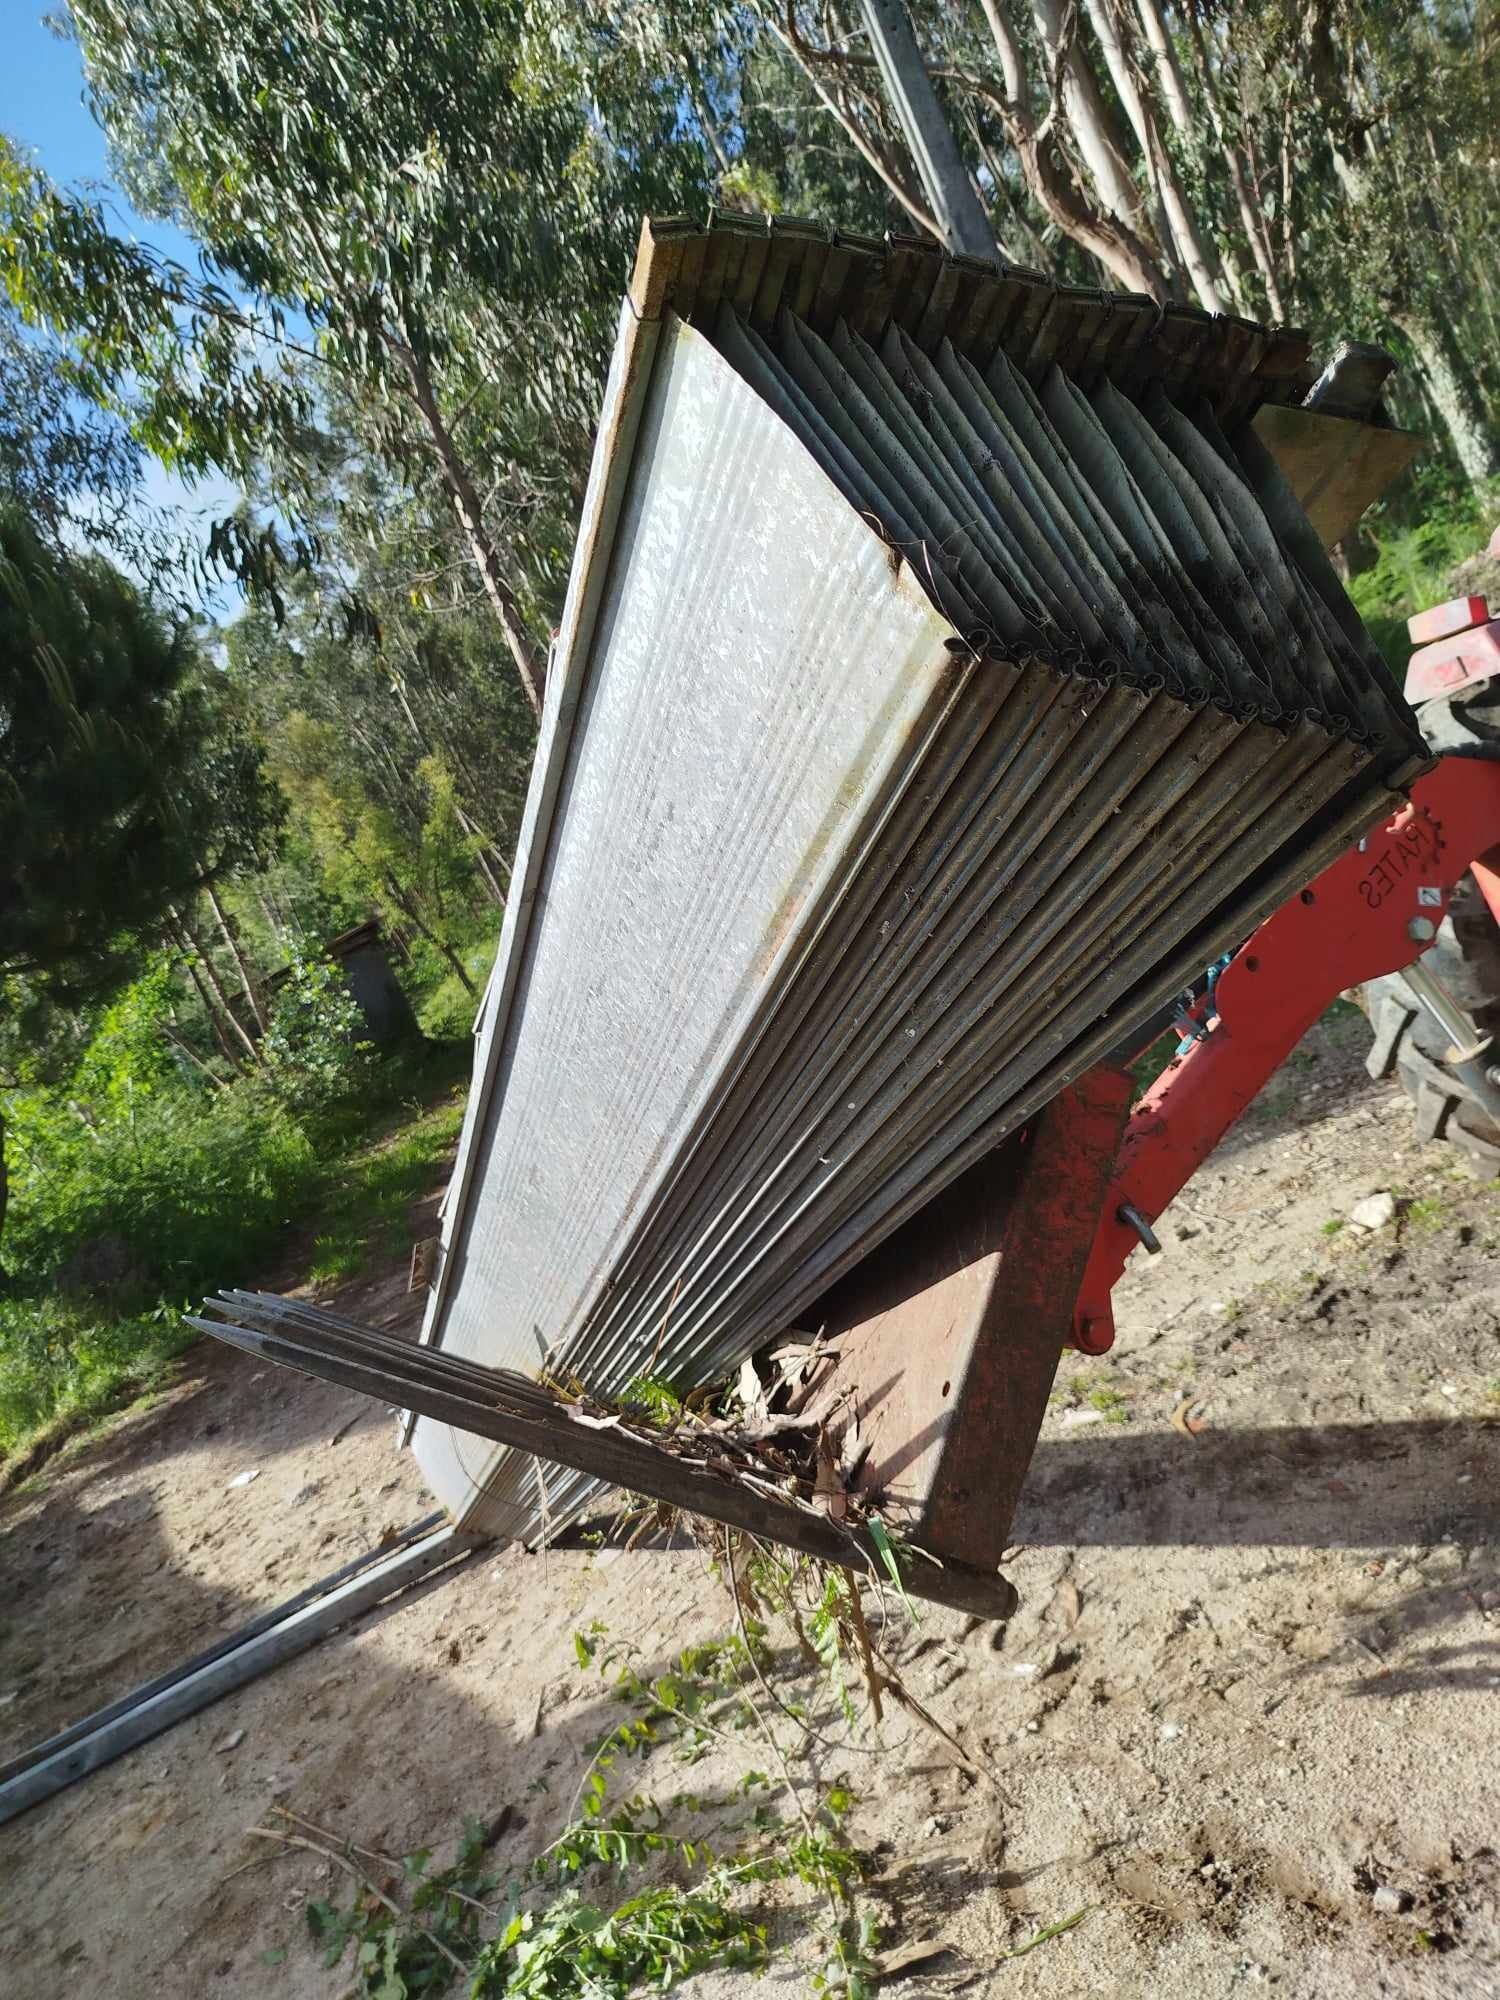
<point>1118,247</point>
<point>1091,119</point>
<point>1455,396</point>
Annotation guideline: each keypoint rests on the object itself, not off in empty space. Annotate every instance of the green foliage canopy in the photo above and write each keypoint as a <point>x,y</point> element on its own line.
<point>105,812</point>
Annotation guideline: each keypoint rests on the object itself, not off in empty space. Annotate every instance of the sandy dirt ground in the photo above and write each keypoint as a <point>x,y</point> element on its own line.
<point>1254,1679</point>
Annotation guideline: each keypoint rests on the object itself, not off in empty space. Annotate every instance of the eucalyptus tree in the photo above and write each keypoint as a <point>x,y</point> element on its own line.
<point>1332,163</point>
<point>408,196</point>
<point>76,472</point>
<point>119,794</point>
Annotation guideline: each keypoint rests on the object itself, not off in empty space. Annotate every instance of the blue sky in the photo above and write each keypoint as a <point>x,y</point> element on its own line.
<point>42,108</point>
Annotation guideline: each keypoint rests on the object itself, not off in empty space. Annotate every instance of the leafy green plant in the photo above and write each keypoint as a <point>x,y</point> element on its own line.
<point>1412,568</point>
<point>192,1186</point>
<point>544,1937</point>
<point>62,1363</point>
<point>652,1939</point>
<point>313,1050</point>
<point>131,1197</point>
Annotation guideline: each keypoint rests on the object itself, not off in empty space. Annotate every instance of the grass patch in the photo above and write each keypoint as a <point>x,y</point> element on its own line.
<point>1411,571</point>
<point>187,1195</point>
<point>63,1367</point>
<point>1110,1404</point>
<point>365,1210</point>
<point>1334,1224</point>
<point>1101,1396</point>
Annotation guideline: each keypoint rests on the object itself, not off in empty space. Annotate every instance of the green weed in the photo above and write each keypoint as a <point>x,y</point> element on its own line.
<point>1411,571</point>
<point>366,1207</point>
<point>62,1366</point>
<point>1110,1403</point>
<point>130,1205</point>
<point>698,1861</point>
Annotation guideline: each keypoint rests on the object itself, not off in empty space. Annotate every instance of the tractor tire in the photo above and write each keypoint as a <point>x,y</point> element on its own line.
<point>1465,957</point>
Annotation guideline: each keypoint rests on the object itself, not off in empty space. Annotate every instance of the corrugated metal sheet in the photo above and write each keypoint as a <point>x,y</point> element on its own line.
<point>933,714</point>
<point>764,267</point>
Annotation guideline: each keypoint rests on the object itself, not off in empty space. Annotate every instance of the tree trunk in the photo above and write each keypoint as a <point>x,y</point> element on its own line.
<point>192,1055</point>
<point>1450,381</point>
<point>232,945</point>
<point>465,502</point>
<point>876,156</point>
<point>1106,27</point>
<point>483,848</point>
<point>408,908</point>
<point>1252,218</point>
<point>1194,247</point>
<point>1120,248</point>
<point>698,98</point>
<point>482,866</point>
<point>1093,123</point>
<point>1455,395</point>
<point>211,1013</point>
<point>216,985</point>
<point>1169,79</point>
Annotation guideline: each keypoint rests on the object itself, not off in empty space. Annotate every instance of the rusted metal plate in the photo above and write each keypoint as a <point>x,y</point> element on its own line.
<point>1336,466</point>
<point>949,1335</point>
<point>500,1404</point>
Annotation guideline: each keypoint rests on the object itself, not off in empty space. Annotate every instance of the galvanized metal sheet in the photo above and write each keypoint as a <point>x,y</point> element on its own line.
<point>758,672</point>
<point>827,898</point>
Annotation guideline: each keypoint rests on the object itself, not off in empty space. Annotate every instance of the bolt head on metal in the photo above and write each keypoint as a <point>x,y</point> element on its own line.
<point>1421,930</point>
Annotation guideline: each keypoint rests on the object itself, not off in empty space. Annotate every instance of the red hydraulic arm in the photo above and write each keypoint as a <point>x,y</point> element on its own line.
<point>1373,911</point>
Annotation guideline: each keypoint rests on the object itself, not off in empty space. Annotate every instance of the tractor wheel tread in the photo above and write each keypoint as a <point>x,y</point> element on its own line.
<point>1465,957</point>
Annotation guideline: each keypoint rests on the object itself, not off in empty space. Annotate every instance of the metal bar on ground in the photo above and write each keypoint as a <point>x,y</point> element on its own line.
<point>239,1637</point>
<point>99,1739</point>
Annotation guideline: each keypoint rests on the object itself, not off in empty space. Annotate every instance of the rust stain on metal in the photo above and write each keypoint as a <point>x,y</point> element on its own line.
<point>949,1335</point>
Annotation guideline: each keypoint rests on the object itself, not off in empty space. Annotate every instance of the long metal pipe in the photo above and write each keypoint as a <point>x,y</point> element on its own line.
<point>945,179</point>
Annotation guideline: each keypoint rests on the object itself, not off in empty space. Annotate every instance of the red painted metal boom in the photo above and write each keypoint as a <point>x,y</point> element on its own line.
<point>1373,911</point>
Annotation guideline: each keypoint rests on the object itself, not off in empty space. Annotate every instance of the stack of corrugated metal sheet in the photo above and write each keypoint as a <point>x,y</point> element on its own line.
<point>932,700</point>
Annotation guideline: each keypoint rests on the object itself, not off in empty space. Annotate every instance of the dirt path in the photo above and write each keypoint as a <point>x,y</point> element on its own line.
<point>1255,1676</point>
